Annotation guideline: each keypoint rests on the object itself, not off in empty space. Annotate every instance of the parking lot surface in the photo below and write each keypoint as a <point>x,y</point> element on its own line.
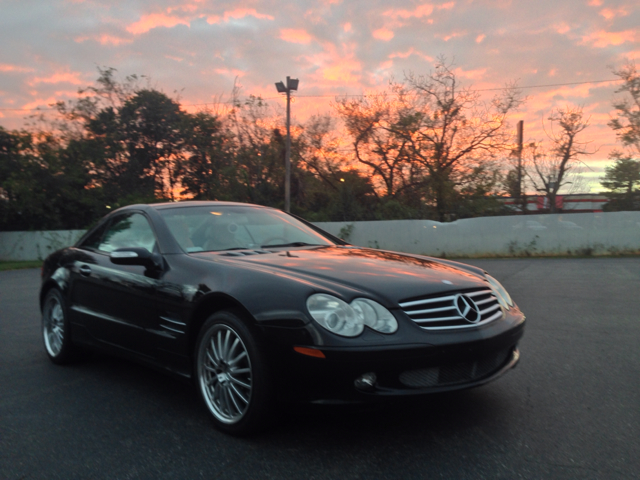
<point>571,409</point>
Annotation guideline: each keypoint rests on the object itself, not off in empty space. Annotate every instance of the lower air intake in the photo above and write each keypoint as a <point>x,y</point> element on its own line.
<point>464,372</point>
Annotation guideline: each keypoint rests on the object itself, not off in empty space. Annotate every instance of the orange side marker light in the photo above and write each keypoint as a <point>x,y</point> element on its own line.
<point>311,352</point>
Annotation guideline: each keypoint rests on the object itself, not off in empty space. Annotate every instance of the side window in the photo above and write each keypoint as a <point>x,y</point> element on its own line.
<point>92,242</point>
<point>131,230</point>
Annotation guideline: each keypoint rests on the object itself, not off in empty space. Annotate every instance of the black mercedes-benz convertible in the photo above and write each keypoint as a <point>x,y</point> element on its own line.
<point>258,306</point>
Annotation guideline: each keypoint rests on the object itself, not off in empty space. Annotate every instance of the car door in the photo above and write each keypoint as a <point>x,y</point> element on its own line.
<point>116,303</point>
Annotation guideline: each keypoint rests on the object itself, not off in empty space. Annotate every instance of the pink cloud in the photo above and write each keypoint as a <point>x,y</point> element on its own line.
<point>383,34</point>
<point>336,65</point>
<point>346,71</point>
<point>5,67</point>
<point>603,38</point>
<point>471,74</point>
<point>480,38</point>
<point>59,77</point>
<point>237,14</point>
<point>446,38</point>
<point>418,12</point>
<point>410,52</point>
<point>610,14</point>
<point>562,28</point>
<point>595,3</point>
<point>154,20</point>
<point>295,35</point>
<point>347,27</point>
<point>105,39</point>
<point>232,72</point>
<point>40,103</point>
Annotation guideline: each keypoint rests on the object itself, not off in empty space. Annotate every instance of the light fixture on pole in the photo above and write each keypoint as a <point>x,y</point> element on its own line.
<point>292,84</point>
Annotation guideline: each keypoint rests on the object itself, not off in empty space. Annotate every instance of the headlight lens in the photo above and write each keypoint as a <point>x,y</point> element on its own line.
<point>375,315</point>
<point>335,315</point>
<point>500,292</point>
<point>349,320</point>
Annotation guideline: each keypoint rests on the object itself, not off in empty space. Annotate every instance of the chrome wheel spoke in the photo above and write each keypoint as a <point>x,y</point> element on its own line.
<point>239,394</point>
<point>220,352</point>
<point>225,346</point>
<point>212,359</point>
<point>238,358</point>
<point>238,382</point>
<point>237,407</point>
<point>215,352</point>
<point>237,371</point>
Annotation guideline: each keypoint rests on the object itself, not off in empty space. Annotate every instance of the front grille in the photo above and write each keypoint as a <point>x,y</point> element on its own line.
<point>457,373</point>
<point>441,312</point>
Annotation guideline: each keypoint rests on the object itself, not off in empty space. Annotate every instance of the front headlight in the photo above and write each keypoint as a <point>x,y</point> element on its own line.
<point>349,320</point>
<point>501,294</point>
<point>375,315</point>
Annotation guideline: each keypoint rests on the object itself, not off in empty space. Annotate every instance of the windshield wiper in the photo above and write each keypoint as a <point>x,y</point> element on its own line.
<point>294,244</point>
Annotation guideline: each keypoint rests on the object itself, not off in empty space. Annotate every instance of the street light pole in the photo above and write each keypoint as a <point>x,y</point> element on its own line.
<point>287,158</point>
<point>292,84</point>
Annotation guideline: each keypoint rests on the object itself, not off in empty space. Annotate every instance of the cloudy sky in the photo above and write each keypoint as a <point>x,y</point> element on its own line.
<point>198,48</point>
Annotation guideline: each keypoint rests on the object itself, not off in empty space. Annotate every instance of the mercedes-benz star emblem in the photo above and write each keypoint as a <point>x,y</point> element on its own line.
<point>467,309</point>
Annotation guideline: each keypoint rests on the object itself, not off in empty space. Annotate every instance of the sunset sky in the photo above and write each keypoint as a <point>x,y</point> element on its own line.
<point>199,47</point>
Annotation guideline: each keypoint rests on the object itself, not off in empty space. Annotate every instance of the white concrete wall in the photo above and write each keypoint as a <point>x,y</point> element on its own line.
<point>574,234</point>
<point>17,246</point>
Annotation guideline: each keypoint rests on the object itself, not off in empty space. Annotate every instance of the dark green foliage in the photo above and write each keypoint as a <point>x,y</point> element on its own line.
<point>623,182</point>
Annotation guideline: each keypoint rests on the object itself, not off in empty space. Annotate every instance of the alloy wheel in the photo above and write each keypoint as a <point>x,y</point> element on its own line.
<point>53,325</point>
<point>225,374</point>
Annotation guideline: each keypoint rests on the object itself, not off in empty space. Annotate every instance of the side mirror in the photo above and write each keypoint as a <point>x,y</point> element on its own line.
<point>136,256</point>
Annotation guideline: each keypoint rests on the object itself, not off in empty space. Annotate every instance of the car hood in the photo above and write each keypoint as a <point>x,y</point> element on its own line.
<point>392,275</point>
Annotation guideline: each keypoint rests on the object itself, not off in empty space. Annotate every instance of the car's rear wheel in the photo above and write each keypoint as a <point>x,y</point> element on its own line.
<point>232,374</point>
<point>56,332</point>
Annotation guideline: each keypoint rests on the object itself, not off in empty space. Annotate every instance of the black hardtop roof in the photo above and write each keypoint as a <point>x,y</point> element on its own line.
<point>195,203</point>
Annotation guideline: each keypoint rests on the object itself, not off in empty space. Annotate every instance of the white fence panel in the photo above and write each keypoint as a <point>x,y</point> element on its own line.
<point>18,246</point>
<point>575,234</point>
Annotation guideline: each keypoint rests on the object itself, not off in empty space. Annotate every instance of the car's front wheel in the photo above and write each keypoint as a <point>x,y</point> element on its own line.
<point>232,374</point>
<point>55,329</point>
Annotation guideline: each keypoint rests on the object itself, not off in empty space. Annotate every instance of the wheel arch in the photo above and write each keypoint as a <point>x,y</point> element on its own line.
<point>212,303</point>
<point>46,287</point>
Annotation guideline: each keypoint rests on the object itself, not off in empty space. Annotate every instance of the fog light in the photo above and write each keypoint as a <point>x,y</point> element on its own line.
<point>366,381</point>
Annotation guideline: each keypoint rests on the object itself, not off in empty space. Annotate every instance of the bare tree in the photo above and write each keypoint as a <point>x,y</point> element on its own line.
<point>551,166</point>
<point>449,125</point>
<point>373,122</point>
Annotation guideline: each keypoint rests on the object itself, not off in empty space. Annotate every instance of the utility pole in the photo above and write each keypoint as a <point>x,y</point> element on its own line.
<point>292,84</point>
<point>522,196</point>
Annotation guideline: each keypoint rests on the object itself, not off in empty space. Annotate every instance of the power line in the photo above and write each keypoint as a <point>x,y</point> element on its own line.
<point>353,95</point>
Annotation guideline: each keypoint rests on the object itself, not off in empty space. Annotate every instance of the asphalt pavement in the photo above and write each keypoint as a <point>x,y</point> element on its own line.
<point>570,410</point>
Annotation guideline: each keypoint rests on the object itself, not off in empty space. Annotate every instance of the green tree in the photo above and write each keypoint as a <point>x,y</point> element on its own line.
<point>623,182</point>
<point>208,165</point>
<point>626,120</point>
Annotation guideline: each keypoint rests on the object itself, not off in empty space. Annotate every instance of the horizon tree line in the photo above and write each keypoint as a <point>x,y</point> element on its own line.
<point>426,147</point>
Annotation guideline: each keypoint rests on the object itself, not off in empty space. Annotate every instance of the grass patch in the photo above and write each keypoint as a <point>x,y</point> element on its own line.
<point>20,265</point>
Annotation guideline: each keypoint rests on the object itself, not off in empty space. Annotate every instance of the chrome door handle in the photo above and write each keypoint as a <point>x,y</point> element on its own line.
<point>85,270</point>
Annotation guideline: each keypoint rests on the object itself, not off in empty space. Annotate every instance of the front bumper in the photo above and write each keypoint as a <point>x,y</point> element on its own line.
<point>400,370</point>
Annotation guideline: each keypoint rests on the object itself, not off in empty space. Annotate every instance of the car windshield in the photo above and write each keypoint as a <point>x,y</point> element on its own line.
<point>217,228</point>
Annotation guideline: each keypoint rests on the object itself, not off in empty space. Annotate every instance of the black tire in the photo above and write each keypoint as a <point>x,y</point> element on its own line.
<point>232,375</point>
<point>56,331</point>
